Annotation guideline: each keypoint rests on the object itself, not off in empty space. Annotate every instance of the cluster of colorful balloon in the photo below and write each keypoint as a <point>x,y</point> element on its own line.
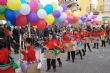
<point>22,12</point>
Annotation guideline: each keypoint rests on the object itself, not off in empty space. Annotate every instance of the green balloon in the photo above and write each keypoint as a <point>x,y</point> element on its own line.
<point>2,9</point>
<point>40,7</point>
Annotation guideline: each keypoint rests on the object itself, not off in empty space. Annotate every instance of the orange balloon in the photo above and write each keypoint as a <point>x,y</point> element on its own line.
<point>68,12</point>
<point>109,20</point>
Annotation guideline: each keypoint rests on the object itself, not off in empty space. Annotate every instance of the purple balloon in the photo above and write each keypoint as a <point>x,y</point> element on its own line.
<point>32,17</point>
<point>94,16</point>
<point>86,15</point>
<point>83,18</point>
<point>24,66</point>
<point>56,14</point>
<point>88,19</point>
<point>64,7</point>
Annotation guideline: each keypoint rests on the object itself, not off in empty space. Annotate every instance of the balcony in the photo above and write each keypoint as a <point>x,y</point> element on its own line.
<point>69,2</point>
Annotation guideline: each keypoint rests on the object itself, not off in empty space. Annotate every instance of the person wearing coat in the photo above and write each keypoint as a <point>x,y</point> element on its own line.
<point>66,39</point>
<point>5,66</point>
<point>50,46</point>
<point>85,35</point>
<point>29,56</point>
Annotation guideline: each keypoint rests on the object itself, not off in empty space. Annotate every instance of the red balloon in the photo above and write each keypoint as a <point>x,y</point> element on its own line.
<point>75,19</point>
<point>41,24</point>
<point>21,20</point>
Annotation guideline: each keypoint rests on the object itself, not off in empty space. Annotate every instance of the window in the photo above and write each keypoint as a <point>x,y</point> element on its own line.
<point>106,5</point>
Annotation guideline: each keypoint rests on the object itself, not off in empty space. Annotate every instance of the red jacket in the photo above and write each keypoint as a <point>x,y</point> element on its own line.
<point>29,54</point>
<point>66,37</point>
<point>87,34</point>
<point>50,44</point>
<point>4,56</point>
<point>96,34</point>
<point>77,35</point>
<point>4,59</point>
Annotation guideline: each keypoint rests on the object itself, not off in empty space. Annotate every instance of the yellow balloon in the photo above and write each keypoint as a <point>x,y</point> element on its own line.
<point>76,13</point>
<point>49,19</point>
<point>55,6</point>
<point>2,17</point>
<point>14,4</point>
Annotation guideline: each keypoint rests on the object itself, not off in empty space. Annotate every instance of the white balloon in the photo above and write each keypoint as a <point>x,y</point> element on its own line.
<point>41,13</point>
<point>25,9</point>
<point>60,9</point>
<point>63,16</point>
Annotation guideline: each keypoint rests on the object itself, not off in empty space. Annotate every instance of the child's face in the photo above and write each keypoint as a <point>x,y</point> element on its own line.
<point>50,37</point>
<point>27,44</point>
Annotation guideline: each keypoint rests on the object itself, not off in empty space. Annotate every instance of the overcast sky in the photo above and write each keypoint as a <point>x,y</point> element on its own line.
<point>44,2</point>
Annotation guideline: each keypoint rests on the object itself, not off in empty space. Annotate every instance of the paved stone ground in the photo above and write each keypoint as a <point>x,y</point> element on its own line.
<point>97,61</point>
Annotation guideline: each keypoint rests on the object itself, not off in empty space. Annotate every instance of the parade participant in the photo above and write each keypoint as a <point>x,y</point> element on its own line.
<point>103,36</point>
<point>58,45</point>
<point>2,34</point>
<point>96,38</point>
<point>50,46</point>
<point>77,38</point>
<point>5,65</point>
<point>29,57</point>
<point>16,38</point>
<point>85,35</point>
<point>66,39</point>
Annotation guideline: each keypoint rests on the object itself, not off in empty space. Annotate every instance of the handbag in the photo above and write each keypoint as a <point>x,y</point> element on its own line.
<point>39,63</point>
<point>56,51</point>
<point>14,64</point>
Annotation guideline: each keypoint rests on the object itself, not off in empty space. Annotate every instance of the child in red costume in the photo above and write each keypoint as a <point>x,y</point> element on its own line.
<point>4,58</point>
<point>51,46</point>
<point>30,57</point>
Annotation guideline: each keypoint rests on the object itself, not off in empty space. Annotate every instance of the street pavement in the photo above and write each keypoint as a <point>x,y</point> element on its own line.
<point>98,61</point>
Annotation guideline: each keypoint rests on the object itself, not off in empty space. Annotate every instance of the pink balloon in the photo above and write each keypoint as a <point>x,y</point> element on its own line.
<point>3,2</point>
<point>34,5</point>
<point>70,18</point>
<point>65,21</point>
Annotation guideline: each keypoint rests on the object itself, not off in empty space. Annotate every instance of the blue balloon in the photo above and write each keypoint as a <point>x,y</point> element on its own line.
<point>8,23</point>
<point>57,20</point>
<point>10,15</point>
<point>16,12</point>
<point>48,8</point>
<point>81,25</point>
<point>23,1</point>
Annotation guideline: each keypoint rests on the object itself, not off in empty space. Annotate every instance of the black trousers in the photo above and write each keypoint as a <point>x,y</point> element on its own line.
<point>96,45</point>
<point>59,61</point>
<point>72,55</point>
<point>51,62</point>
<point>103,43</point>
<point>87,44</point>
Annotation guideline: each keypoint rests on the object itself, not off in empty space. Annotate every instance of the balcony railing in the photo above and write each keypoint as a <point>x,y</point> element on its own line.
<point>69,2</point>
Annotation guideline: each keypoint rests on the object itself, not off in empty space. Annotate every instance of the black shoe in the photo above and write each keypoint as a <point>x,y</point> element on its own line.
<point>73,61</point>
<point>60,65</point>
<point>54,70</point>
<point>67,60</point>
<point>77,53</point>
<point>47,70</point>
<point>81,58</point>
<point>93,47</point>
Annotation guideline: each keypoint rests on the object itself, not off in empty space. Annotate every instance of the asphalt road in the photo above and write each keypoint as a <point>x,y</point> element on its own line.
<point>98,61</point>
